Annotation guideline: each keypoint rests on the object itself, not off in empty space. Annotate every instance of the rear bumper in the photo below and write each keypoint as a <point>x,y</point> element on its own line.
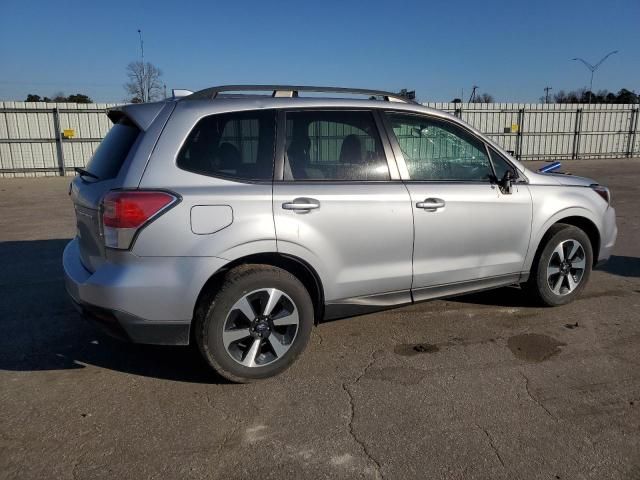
<point>126,327</point>
<point>141,299</point>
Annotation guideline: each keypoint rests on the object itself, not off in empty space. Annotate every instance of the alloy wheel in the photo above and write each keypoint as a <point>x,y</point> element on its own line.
<point>261,327</point>
<point>566,267</point>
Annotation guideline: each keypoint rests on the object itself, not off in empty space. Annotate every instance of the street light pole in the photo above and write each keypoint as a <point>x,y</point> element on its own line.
<point>593,69</point>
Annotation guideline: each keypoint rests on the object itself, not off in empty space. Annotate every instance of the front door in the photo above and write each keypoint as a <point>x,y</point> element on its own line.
<point>467,231</point>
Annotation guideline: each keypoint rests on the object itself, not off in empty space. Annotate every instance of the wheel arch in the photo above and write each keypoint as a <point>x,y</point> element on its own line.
<point>294,265</point>
<point>583,223</point>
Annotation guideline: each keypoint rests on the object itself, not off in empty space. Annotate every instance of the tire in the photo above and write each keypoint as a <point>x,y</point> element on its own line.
<point>553,289</point>
<point>227,337</point>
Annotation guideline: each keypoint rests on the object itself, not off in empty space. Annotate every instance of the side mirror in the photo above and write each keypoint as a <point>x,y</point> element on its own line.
<point>505,183</point>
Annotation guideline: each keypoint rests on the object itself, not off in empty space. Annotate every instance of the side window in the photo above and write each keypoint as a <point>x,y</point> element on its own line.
<point>238,145</point>
<point>334,145</point>
<point>438,150</point>
<point>500,165</point>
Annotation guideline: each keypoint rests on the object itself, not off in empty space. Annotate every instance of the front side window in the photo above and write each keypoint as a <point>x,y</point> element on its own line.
<point>436,150</point>
<point>334,145</point>
<point>500,165</point>
<point>238,145</point>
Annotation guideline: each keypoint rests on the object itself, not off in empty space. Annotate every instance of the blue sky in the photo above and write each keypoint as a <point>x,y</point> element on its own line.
<point>511,49</point>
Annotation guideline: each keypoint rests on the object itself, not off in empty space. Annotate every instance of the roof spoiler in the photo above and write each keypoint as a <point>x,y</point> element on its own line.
<point>142,114</point>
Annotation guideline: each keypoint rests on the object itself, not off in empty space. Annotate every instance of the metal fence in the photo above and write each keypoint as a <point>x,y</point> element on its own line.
<point>33,141</point>
<point>554,131</point>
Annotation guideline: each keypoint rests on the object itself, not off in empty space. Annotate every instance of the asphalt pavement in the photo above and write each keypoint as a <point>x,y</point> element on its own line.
<point>485,386</point>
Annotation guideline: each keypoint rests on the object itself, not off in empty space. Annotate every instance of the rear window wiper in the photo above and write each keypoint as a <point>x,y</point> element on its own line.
<point>85,173</point>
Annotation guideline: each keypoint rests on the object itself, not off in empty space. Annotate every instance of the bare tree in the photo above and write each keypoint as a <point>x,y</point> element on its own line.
<point>482,98</point>
<point>144,82</point>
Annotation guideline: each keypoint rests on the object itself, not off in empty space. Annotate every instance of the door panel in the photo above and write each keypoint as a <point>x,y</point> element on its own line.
<point>479,232</point>
<point>359,238</point>
<point>338,207</point>
<point>466,227</point>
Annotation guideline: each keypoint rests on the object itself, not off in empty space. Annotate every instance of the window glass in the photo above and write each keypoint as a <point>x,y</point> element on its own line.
<point>334,145</point>
<point>500,165</point>
<point>439,150</point>
<point>238,145</point>
<point>114,148</point>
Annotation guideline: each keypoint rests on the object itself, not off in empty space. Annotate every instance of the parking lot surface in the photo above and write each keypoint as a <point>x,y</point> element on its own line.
<point>480,386</point>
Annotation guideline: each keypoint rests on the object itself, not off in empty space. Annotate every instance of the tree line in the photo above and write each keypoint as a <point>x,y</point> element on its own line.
<point>60,97</point>
<point>601,96</point>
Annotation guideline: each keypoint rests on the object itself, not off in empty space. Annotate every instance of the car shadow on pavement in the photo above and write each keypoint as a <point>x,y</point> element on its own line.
<point>516,297</point>
<point>42,330</point>
<point>623,266</point>
<point>499,297</point>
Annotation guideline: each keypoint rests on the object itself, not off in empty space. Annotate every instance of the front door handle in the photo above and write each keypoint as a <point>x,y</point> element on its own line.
<point>431,204</point>
<point>302,204</point>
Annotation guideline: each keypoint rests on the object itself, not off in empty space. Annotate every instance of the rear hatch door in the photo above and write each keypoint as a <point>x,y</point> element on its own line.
<point>95,180</point>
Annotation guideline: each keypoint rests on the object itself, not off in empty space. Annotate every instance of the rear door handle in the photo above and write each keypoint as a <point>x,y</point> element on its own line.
<point>431,204</point>
<point>302,204</point>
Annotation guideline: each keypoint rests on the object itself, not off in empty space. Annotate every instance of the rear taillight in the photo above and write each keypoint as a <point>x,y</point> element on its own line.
<point>125,212</point>
<point>603,192</point>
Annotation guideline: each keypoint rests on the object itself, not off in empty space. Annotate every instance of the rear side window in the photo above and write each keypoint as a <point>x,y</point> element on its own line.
<point>238,145</point>
<point>334,145</point>
<point>113,150</point>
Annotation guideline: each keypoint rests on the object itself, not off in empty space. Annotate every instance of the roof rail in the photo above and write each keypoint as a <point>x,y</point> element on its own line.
<point>292,91</point>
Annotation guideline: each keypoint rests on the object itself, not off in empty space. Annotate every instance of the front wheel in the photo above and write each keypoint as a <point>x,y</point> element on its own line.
<point>256,325</point>
<point>561,270</point>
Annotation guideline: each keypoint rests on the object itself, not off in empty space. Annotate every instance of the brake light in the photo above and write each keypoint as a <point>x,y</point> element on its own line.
<point>603,192</point>
<point>125,212</point>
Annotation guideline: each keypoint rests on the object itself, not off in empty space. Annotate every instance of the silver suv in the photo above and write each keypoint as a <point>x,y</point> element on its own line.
<point>238,221</point>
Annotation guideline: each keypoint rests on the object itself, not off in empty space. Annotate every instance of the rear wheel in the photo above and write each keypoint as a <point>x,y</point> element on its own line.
<point>256,325</point>
<point>561,270</point>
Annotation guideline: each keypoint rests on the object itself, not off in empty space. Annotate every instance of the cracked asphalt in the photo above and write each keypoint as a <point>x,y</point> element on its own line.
<point>484,386</point>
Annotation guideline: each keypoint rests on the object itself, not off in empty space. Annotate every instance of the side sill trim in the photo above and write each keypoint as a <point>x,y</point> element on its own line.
<point>353,306</point>
<point>462,288</point>
<point>350,307</point>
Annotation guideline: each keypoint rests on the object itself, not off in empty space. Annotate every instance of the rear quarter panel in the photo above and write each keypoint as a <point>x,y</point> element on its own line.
<point>252,229</point>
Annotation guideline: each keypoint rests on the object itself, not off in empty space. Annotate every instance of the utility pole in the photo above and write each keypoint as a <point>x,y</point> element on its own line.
<point>546,94</point>
<point>144,78</point>
<point>473,94</point>
<point>593,68</point>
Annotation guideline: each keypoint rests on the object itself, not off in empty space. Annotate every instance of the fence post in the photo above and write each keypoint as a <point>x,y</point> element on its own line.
<point>458,112</point>
<point>58,133</point>
<point>576,134</point>
<point>519,137</point>
<point>633,127</point>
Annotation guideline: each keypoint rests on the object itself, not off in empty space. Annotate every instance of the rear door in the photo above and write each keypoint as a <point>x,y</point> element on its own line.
<point>466,228</point>
<point>340,205</point>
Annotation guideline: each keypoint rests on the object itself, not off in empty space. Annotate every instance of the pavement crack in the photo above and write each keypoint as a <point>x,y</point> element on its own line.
<point>320,337</point>
<point>346,387</point>
<point>493,445</point>
<point>535,400</point>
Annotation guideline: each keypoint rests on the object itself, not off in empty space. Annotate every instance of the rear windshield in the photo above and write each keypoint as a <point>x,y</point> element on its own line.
<point>115,146</point>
